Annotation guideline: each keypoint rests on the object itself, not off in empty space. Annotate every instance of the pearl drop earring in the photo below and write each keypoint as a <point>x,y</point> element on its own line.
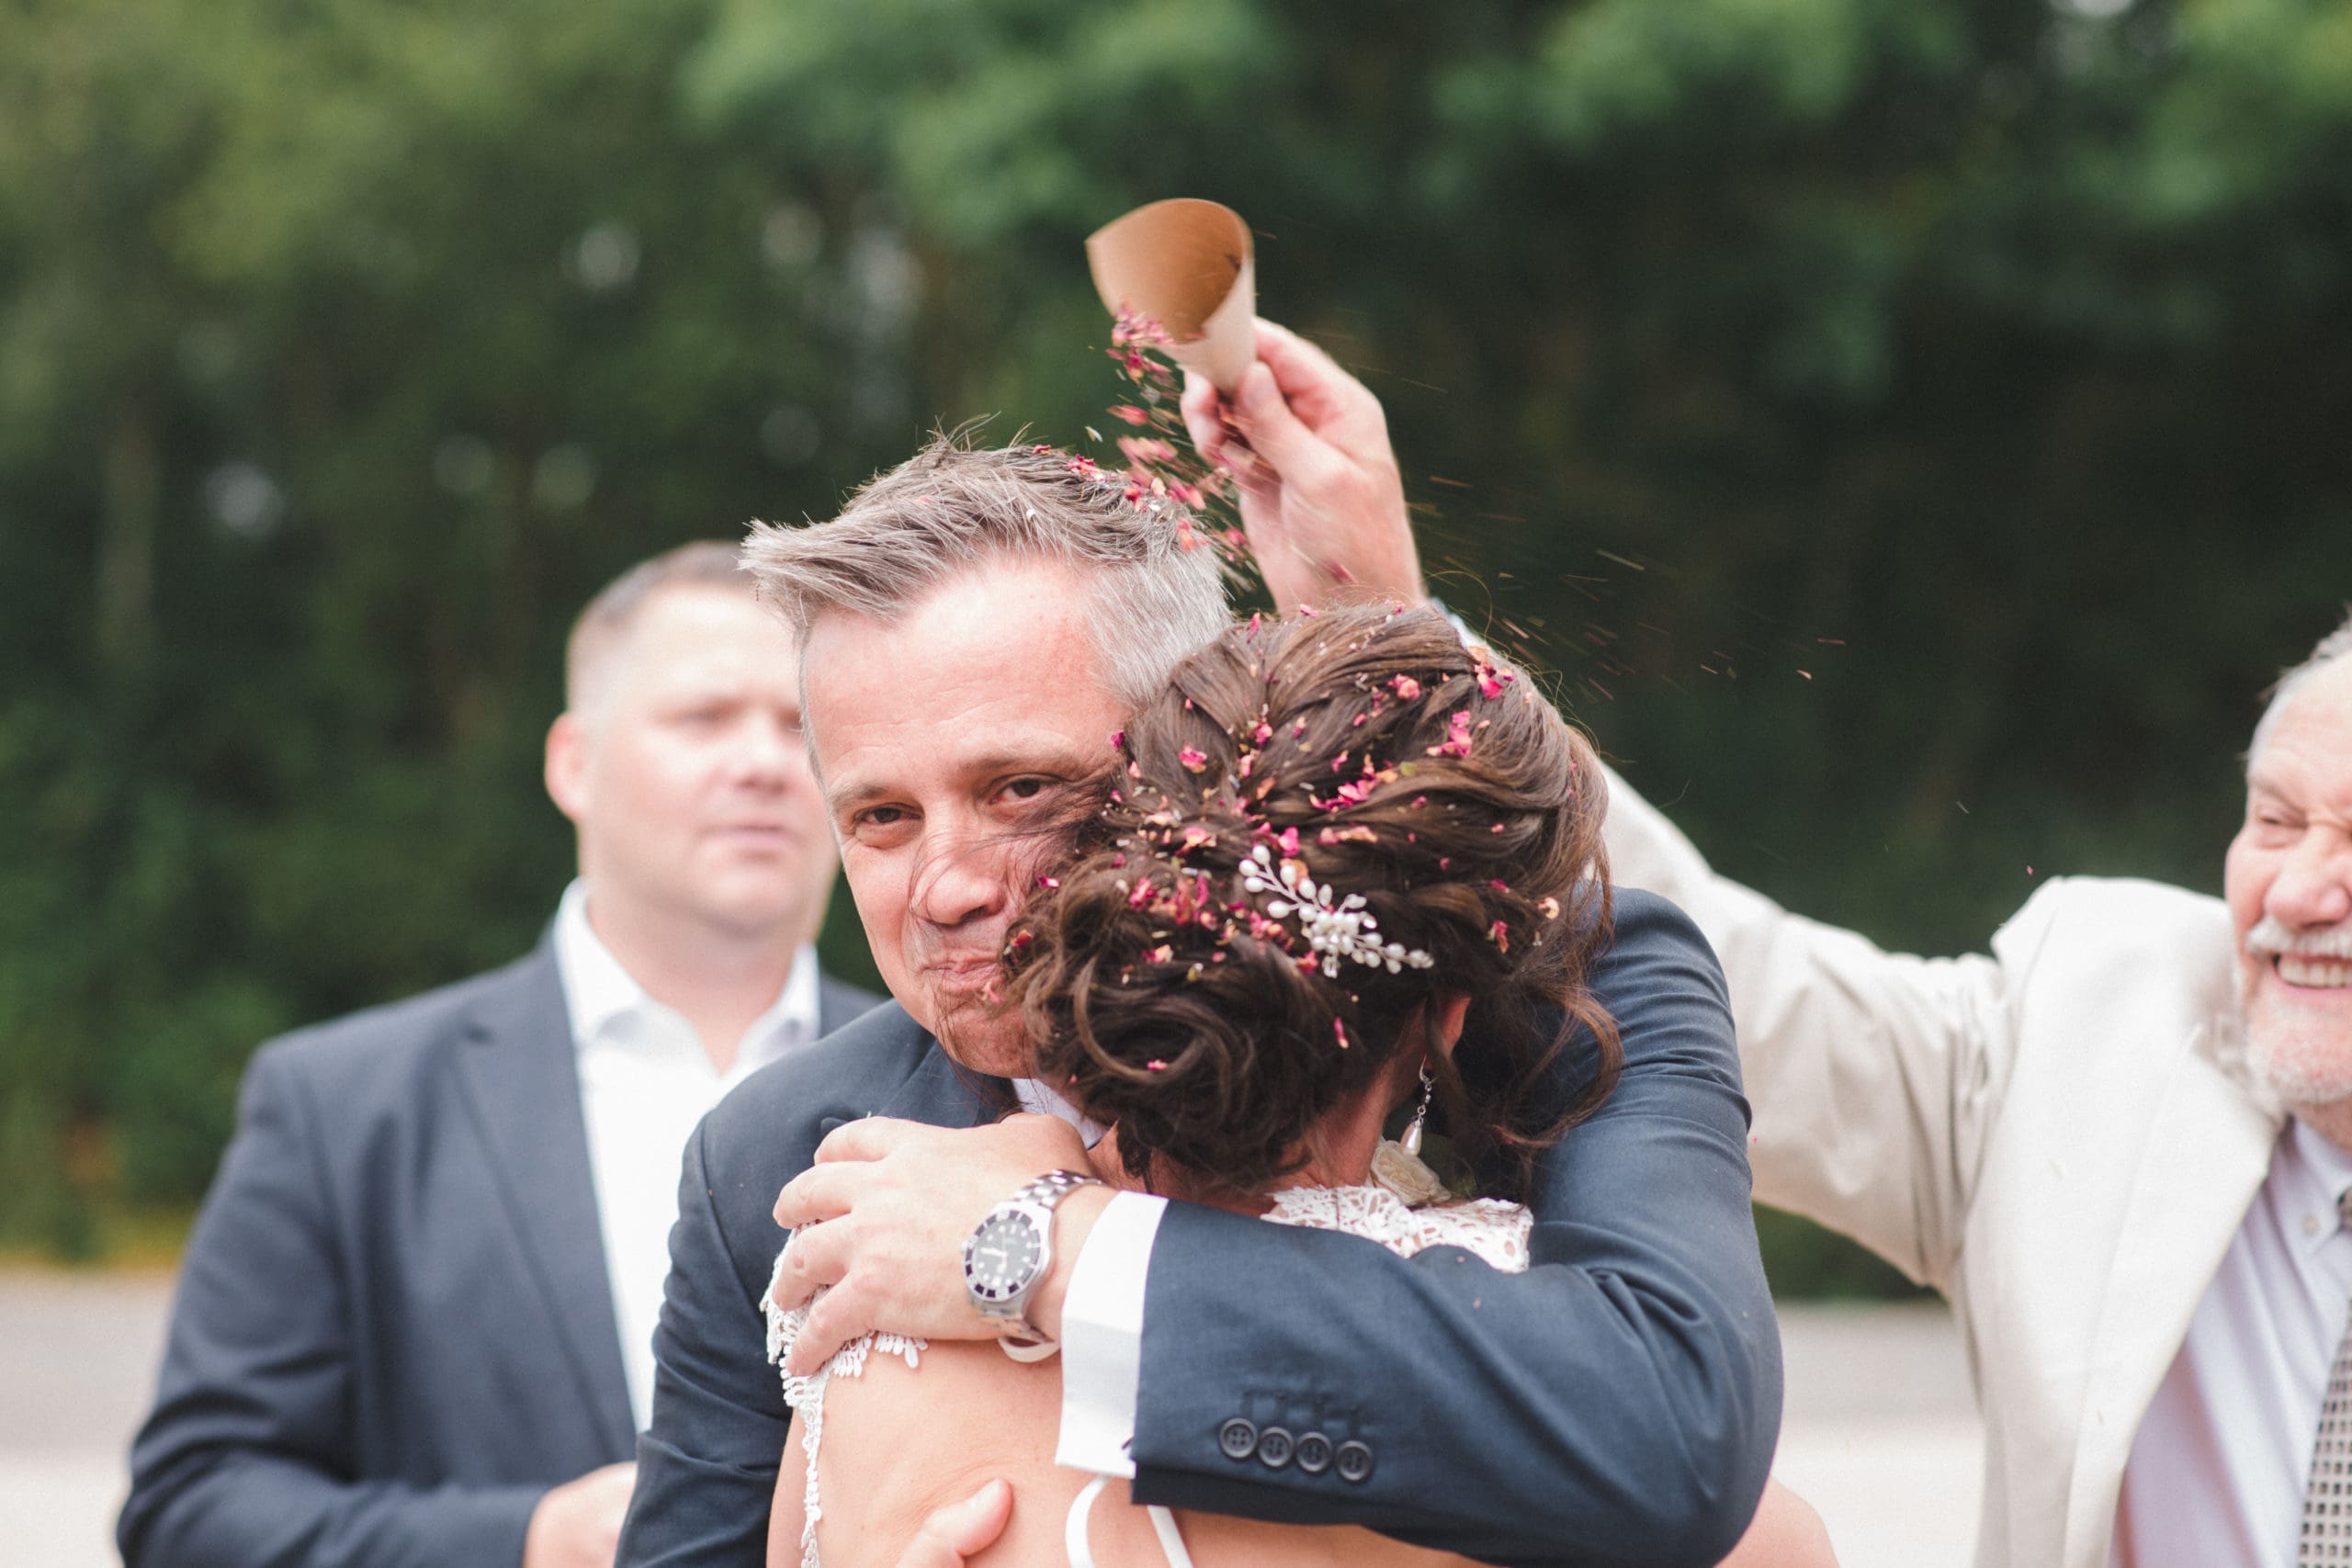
<point>1411,1142</point>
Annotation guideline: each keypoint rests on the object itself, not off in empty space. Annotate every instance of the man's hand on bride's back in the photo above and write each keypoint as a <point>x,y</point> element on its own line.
<point>1320,496</point>
<point>881,1217</point>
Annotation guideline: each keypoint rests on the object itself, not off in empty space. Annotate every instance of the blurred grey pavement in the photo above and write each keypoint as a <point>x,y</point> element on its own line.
<point>1880,1435</point>
<point>77,1367</point>
<point>1879,1432</point>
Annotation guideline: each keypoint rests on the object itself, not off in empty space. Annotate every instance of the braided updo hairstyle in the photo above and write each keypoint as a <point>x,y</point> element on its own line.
<point>1375,757</point>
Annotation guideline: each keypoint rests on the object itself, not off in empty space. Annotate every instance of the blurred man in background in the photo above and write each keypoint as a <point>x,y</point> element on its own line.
<point>415,1320</point>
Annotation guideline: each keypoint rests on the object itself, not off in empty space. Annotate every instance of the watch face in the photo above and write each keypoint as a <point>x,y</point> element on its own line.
<point>1002,1257</point>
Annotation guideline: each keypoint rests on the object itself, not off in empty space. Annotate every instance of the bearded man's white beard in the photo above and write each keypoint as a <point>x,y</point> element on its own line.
<point>2305,1060</point>
<point>2302,1065</point>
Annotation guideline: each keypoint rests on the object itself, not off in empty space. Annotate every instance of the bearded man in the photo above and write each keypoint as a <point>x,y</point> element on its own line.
<point>2120,1143</point>
<point>972,629</point>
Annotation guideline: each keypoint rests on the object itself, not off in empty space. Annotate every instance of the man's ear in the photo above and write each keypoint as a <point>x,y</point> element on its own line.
<point>1445,1021</point>
<point>566,770</point>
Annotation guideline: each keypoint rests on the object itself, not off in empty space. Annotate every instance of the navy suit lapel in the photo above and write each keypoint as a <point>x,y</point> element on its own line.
<point>839,1003</point>
<point>940,1092</point>
<point>523,1077</point>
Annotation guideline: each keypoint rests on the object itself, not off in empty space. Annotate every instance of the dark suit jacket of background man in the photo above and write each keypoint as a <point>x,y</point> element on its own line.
<point>394,1329</point>
<point>1639,1350</point>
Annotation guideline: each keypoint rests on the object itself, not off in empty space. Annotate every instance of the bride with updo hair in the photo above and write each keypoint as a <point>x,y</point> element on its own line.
<point>1347,875</point>
<point>1441,817</point>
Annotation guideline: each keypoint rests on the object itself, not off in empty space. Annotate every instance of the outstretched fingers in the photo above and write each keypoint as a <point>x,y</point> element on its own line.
<point>816,1257</point>
<point>1204,412</point>
<point>838,1316</point>
<point>870,1138</point>
<point>1277,434</point>
<point>820,1192</point>
<point>1332,402</point>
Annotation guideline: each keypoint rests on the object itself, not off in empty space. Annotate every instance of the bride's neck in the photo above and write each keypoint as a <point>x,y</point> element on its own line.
<point>1337,1149</point>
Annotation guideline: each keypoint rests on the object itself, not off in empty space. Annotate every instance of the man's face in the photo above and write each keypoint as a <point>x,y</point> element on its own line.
<point>2289,889</point>
<point>684,772</point>
<point>945,739</point>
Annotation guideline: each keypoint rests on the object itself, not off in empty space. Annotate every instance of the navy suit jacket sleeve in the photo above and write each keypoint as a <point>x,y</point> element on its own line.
<point>246,1457</point>
<point>1616,1403</point>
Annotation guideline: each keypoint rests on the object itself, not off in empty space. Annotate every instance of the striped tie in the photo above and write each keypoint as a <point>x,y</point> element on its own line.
<point>2327,1498</point>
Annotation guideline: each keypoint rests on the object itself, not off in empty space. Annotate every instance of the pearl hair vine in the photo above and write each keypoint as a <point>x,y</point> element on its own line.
<point>1337,931</point>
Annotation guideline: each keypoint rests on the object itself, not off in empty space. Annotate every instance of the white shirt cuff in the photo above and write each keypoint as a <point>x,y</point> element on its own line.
<point>1102,1337</point>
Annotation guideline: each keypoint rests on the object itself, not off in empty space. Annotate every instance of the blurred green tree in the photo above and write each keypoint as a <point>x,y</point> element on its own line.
<point>342,355</point>
<point>1909,430</point>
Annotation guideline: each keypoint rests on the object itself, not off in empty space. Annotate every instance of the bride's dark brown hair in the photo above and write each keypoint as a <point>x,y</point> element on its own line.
<point>1389,761</point>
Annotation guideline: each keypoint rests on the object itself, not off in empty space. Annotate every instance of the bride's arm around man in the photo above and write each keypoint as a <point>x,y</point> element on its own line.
<point>1616,1401</point>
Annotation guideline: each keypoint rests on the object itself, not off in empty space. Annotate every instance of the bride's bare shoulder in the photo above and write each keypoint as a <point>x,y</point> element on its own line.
<point>902,1441</point>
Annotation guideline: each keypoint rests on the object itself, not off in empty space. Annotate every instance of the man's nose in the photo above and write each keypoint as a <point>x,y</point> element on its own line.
<point>2314,888</point>
<point>959,880</point>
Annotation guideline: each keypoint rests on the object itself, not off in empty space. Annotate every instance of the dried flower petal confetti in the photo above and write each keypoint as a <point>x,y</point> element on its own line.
<point>1457,736</point>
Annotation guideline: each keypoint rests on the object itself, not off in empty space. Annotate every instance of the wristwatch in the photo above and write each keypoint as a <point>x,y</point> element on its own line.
<point>1011,1250</point>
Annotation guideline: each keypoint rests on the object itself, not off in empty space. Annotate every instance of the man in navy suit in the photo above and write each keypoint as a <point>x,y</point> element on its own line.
<point>973,627</point>
<point>414,1322</point>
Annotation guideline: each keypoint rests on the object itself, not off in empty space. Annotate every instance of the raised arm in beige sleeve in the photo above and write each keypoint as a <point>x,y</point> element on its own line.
<point>1874,1076</point>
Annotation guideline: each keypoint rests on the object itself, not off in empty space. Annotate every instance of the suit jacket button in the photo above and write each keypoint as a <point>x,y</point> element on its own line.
<point>1275,1447</point>
<point>1237,1438</point>
<point>1354,1460</point>
<point>1314,1453</point>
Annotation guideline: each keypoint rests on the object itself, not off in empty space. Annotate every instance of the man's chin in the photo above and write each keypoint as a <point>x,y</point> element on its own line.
<point>976,1032</point>
<point>2306,1062</point>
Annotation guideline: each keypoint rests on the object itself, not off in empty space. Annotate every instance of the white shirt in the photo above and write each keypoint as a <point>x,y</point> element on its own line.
<point>645,1082</point>
<point>1101,1313</point>
<point>2219,1464</point>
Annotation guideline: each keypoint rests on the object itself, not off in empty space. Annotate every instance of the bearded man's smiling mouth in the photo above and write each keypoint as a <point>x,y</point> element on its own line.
<point>2312,973</point>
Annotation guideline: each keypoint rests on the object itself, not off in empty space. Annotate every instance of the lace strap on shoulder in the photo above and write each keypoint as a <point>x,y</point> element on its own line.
<point>805,1396</point>
<point>1495,1231</point>
<point>783,1326</point>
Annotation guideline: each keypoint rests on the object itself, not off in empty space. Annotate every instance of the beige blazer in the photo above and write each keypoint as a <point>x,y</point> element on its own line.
<point>2061,1137</point>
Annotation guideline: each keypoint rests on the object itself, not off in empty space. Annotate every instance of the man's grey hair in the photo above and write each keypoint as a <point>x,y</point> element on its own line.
<point>705,564</point>
<point>1158,582</point>
<point>2333,647</point>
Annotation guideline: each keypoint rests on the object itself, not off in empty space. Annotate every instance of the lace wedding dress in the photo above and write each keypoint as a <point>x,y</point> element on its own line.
<point>1404,1207</point>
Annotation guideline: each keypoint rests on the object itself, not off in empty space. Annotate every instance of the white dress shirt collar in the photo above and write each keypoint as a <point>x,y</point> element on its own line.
<point>604,998</point>
<point>1041,1099</point>
<point>2314,1174</point>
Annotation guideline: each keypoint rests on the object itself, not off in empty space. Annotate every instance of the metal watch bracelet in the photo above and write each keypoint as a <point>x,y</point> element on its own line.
<point>1036,1201</point>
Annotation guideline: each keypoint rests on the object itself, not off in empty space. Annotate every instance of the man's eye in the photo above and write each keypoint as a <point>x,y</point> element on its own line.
<point>1025,789</point>
<point>881,815</point>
